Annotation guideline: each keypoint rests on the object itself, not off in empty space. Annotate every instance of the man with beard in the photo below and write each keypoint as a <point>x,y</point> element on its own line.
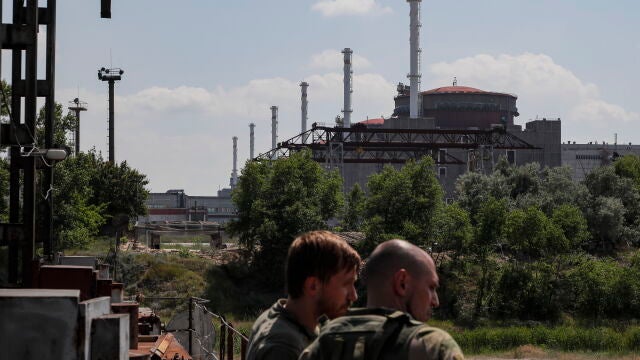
<point>321,271</point>
<point>401,282</point>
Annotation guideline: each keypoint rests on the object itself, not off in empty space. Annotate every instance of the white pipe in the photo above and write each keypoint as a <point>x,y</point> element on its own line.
<point>414,42</point>
<point>303,107</point>
<point>251,140</point>
<point>274,127</point>
<point>234,173</point>
<point>348,87</point>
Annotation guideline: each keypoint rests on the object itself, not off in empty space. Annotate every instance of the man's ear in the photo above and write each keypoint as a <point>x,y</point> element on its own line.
<point>312,286</point>
<point>401,282</point>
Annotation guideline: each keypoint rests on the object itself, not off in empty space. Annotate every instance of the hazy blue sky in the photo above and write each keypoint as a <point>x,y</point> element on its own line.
<point>198,72</point>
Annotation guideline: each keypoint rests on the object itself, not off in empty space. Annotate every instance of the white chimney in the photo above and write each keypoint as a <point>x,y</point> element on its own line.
<point>303,107</point>
<point>414,41</point>
<point>274,127</point>
<point>348,87</point>
<point>234,172</point>
<point>251,140</point>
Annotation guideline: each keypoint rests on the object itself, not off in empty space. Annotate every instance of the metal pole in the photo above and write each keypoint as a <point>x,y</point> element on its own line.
<point>77,132</point>
<point>251,140</point>
<point>112,158</point>
<point>30,114</point>
<point>191,325</point>
<point>15,164</point>
<point>50,105</point>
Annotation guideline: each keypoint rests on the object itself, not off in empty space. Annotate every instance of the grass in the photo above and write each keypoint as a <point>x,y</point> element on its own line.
<point>561,338</point>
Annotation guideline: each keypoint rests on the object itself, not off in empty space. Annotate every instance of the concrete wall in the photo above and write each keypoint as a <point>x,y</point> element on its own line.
<point>39,324</point>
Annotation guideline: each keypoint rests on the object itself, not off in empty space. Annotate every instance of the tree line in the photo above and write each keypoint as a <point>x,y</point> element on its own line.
<point>521,243</point>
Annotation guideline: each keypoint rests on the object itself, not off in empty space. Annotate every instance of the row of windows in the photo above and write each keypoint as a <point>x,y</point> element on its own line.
<point>588,157</point>
<point>222,210</point>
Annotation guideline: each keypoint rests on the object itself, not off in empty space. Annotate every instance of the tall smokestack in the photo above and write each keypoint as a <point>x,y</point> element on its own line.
<point>274,127</point>
<point>414,41</point>
<point>348,87</point>
<point>303,107</point>
<point>251,140</point>
<point>234,172</point>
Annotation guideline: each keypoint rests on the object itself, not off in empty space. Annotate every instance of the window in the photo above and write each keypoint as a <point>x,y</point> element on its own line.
<point>511,157</point>
<point>588,157</point>
<point>442,172</point>
<point>442,155</point>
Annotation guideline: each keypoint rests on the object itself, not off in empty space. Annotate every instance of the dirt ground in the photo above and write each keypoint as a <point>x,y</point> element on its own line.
<point>532,352</point>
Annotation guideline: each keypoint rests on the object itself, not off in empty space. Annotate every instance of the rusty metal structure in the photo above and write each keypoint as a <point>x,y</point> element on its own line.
<point>336,146</point>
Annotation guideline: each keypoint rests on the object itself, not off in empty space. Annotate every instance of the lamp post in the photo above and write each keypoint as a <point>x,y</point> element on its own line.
<point>111,76</point>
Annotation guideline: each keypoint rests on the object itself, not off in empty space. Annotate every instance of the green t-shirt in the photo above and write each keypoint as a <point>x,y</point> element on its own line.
<point>276,334</point>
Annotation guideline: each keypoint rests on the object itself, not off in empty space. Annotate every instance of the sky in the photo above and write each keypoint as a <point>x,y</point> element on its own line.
<point>197,72</point>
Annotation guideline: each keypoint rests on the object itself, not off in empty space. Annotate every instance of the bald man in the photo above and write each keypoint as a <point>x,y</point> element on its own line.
<point>402,283</point>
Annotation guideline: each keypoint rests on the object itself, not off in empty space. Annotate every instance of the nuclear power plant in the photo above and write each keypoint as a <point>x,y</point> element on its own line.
<point>462,128</point>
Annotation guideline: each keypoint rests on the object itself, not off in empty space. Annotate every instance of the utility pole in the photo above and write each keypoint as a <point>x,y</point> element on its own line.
<point>111,76</point>
<point>77,106</point>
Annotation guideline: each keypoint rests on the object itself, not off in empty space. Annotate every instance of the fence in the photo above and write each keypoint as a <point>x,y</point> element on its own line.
<point>196,330</point>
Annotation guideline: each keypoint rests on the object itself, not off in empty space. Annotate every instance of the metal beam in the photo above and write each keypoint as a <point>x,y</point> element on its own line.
<point>362,145</point>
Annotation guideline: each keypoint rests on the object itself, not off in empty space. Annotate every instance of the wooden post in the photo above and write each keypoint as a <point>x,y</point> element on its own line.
<point>230,342</point>
<point>223,333</point>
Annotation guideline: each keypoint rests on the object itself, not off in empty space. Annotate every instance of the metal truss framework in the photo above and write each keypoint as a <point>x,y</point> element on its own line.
<point>336,145</point>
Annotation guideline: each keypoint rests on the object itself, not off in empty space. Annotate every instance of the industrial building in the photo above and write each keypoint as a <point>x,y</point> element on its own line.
<point>462,128</point>
<point>175,206</point>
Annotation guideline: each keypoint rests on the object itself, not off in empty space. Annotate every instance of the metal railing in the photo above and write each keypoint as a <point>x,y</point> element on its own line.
<point>228,333</point>
<point>202,343</point>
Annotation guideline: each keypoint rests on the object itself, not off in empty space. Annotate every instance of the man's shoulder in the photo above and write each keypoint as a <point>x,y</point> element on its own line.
<point>274,333</point>
<point>434,343</point>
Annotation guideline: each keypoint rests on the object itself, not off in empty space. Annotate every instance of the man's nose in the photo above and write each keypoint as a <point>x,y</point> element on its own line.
<point>435,302</point>
<point>353,294</point>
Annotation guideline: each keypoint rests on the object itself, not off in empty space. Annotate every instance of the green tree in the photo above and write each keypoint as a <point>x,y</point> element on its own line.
<point>404,202</point>
<point>573,225</point>
<point>77,219</point>
<point>490,222</point>
<point>64,124</point>
<point>88,192</point>
<point>604,182</point>
<point>628,167</point>
<point>121,187</point>
<point>531,234</point>
<point>5,100</point>
<point>354,210</point>
<point>453,230</point>
<point>278,200</point>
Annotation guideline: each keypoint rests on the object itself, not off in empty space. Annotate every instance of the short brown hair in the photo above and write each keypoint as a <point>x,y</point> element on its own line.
<point>317,253</point>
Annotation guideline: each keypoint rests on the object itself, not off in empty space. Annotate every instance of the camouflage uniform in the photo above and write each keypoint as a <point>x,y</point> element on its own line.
<point>276,334</point>
<point>381,334</point>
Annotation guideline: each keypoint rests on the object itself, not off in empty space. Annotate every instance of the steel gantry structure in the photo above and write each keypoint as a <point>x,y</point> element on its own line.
<point>359,144</point>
